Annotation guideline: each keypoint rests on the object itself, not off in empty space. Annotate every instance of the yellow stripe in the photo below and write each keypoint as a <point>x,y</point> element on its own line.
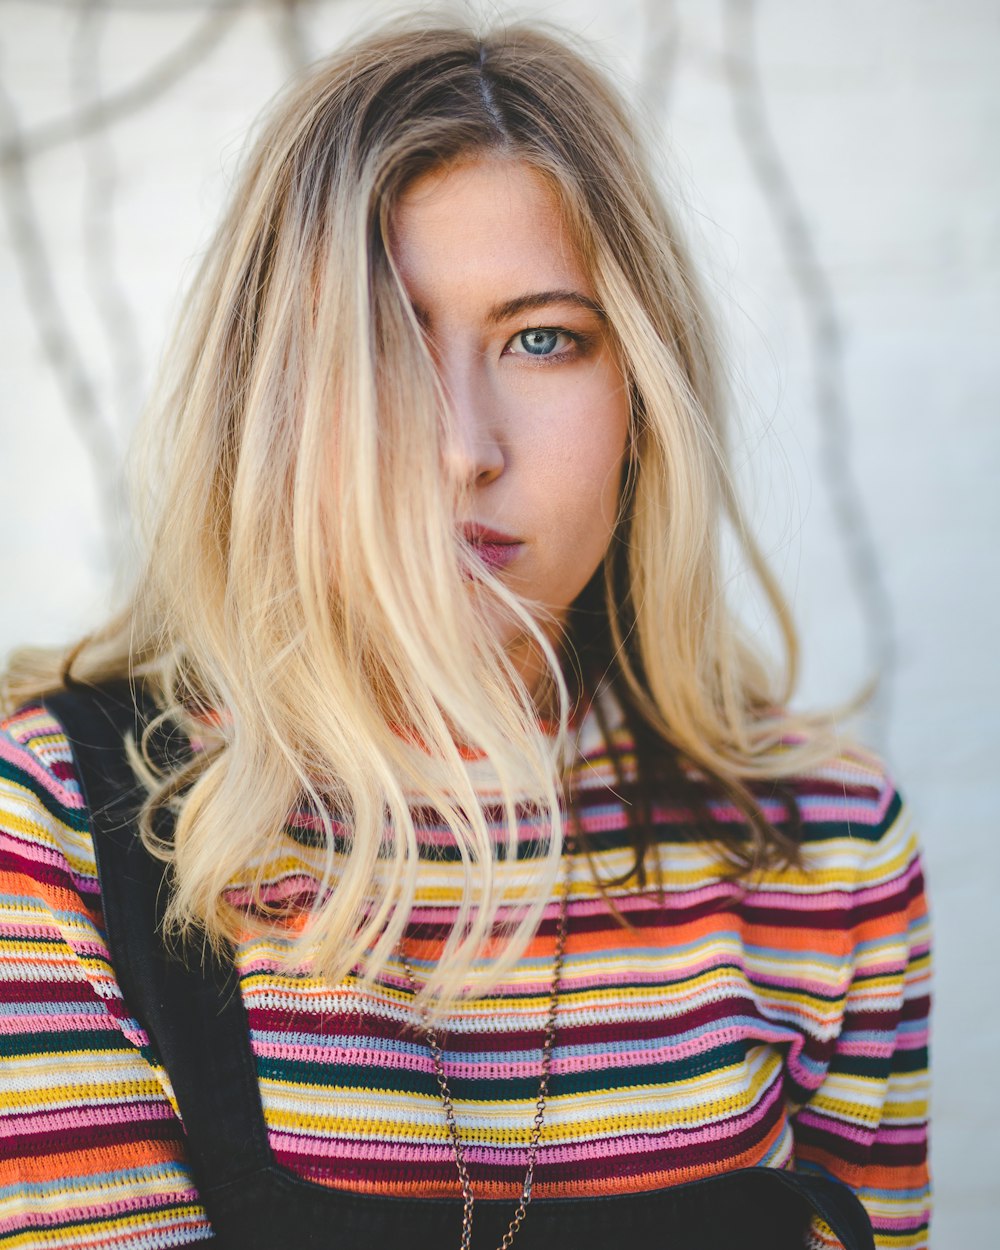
<point>87,1232</point>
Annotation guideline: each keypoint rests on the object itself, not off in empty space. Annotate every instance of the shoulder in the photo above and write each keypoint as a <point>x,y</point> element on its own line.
<point>860,851</point>
<point>35,752</point>
<point>86,1101</point>
<point>851,809</point>
<point>44,824</point>
<point>51,914</point>
<point>852,795</point>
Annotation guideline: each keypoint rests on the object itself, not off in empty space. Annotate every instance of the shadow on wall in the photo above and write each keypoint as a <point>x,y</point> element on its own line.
<point>101,412</point>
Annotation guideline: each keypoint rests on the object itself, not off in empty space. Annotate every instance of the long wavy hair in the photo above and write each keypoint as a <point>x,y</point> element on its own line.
<point>293,454</point>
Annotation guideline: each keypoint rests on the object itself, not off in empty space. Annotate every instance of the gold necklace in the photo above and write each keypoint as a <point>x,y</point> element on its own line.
<point>434,1045</point>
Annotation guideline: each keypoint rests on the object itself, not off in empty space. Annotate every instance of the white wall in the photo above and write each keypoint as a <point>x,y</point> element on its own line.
<point>866,191</point>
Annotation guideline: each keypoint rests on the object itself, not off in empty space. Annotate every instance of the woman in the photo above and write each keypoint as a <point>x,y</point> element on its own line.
<point>424,855</point>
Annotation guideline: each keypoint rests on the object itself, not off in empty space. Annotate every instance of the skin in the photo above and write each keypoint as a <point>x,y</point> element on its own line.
<point>539,436</point>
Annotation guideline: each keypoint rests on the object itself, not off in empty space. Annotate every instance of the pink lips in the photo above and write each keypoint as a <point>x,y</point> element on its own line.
<point>494,548</point>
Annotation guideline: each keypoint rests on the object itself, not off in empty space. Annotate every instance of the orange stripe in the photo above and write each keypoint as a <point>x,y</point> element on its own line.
<point>56,1167</point>
<point>718,924</point>
<point>860,1176</point>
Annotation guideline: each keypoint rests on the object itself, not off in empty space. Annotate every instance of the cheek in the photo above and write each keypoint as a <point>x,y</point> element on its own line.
<point>579,489</point>
<point>597,455</point>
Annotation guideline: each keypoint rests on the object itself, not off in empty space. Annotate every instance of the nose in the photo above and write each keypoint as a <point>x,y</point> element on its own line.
<point>474,446</point>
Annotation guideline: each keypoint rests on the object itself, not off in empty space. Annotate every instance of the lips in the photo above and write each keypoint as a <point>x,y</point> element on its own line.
<point>494,548</point>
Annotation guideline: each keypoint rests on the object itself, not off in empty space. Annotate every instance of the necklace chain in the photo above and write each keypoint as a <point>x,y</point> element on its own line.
<point>434,1045</point>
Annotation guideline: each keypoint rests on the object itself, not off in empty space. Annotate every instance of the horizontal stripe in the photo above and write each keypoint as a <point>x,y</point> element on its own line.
<point>730,1024</point>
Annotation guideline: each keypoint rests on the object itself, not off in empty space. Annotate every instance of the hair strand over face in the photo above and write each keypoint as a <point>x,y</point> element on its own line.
<point>293,455</point>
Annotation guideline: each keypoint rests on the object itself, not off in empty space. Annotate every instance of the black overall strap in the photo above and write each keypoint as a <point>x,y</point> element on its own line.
<point>834,1202</point>
<point>194,1016</point>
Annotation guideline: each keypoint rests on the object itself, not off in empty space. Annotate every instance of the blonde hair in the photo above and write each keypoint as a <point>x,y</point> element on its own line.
<point>293,455</point>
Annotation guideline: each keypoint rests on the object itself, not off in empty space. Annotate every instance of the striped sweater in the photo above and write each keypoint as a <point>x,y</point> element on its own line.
<point>779,1022</point>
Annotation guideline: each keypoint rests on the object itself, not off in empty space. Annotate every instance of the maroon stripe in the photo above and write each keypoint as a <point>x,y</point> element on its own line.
<point>814,1142</point>
<point>87,1136</point>
<point>77,991</point>
<point>811,787</point>
<point>870,1021</point>
<point>55,875</point>
<point>818,787</point>
<point>916,1008</point>
<point>854,912</point>
<point>898,1154</point>
<point>372,1028</point>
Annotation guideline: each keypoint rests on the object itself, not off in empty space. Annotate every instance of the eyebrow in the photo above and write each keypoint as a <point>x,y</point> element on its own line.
<point>540,299</point>
<point>528,303</point>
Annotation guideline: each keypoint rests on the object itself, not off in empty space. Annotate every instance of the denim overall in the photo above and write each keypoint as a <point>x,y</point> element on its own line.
<point>196,1022</point>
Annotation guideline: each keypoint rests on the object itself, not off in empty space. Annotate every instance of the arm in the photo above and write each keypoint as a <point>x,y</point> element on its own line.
<point>91,1147</point>
<point>866,1124</point>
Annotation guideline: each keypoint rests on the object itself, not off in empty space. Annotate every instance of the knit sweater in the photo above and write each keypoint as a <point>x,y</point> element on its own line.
<point>779,1021</point>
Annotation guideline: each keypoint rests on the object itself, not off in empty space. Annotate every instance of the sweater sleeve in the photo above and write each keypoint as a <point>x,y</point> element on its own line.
<point>866,1123</point>
<point>91,1145</point>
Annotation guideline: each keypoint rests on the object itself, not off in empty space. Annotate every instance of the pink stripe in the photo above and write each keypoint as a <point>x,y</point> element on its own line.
<point>837,1128</point>
<point>346,1148</point>
<point>28,847</point>
<point>124,1111</point>
<point>13,1026</point>
<point>834,899</point>
<point>23,759</point>
<point>867,1048</point>
<point>915,1040</point>
<point>334,1055</point>
<point>908,1134</point>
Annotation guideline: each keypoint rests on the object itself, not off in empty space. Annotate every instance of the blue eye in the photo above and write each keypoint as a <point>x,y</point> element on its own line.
<point>549,343</point>
<point>539,342</point>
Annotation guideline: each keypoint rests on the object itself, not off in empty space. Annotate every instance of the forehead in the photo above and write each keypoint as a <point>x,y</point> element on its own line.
<point>483,230</point>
